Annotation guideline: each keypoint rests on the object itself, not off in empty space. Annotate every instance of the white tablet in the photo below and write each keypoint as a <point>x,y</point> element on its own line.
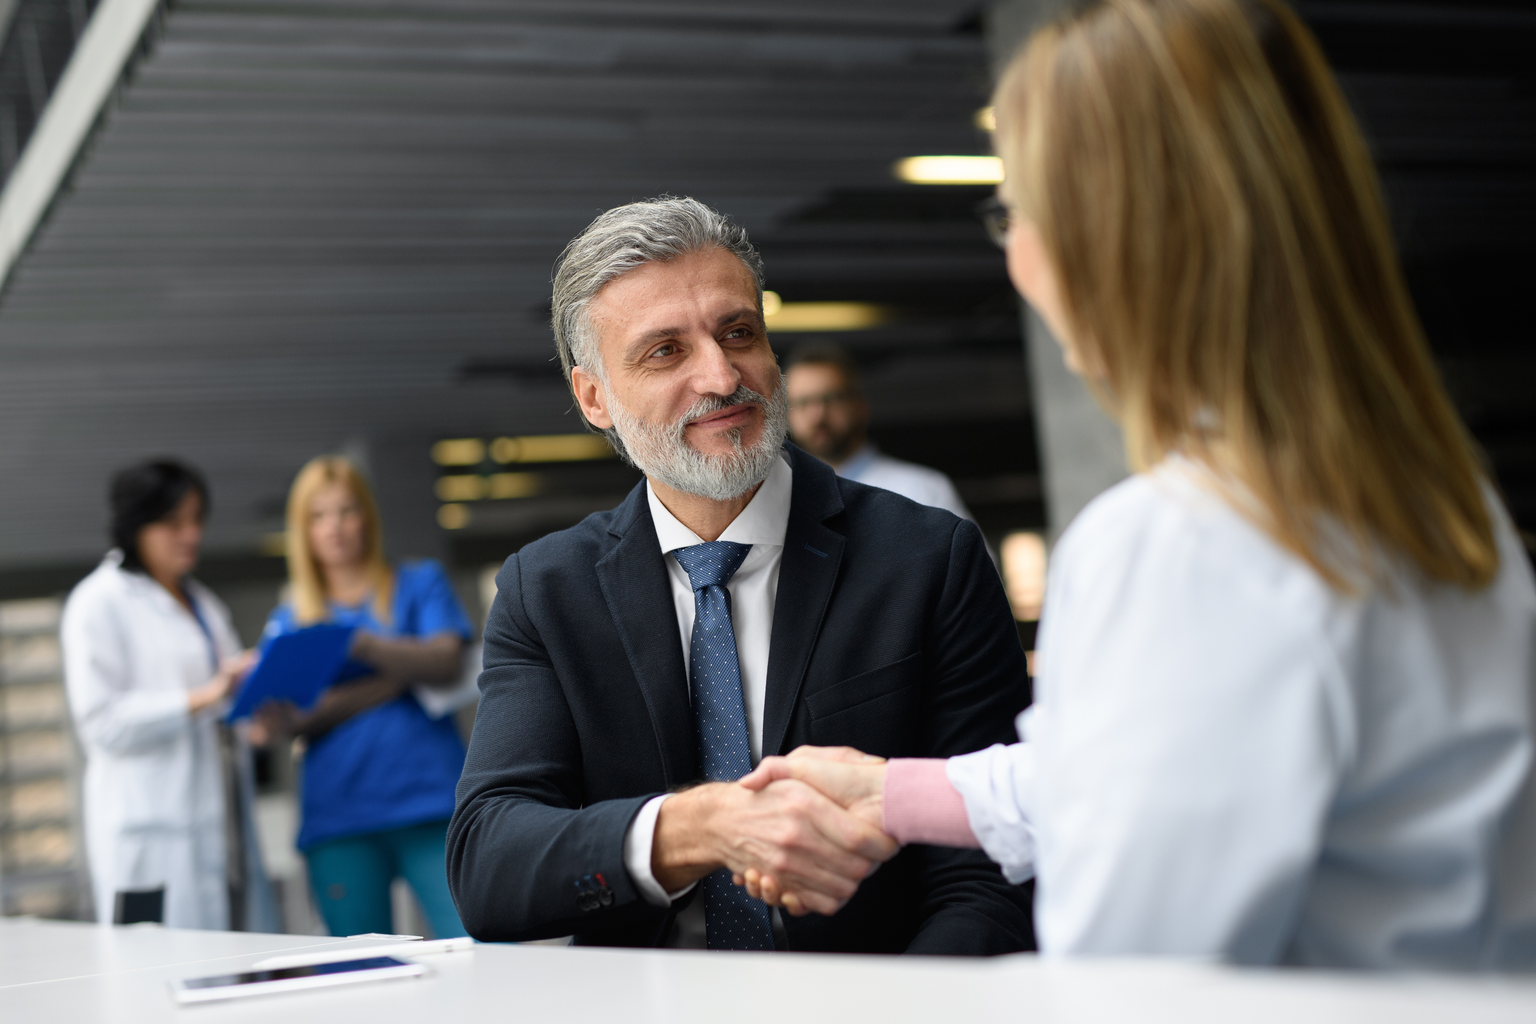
<point>293,979</point>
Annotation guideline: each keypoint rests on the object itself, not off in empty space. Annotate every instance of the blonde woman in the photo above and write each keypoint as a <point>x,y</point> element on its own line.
<point>379,773</point>
<point>1285,694</point>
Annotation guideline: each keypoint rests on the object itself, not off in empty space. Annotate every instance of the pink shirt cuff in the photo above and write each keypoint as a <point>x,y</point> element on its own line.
<point>920,805</point>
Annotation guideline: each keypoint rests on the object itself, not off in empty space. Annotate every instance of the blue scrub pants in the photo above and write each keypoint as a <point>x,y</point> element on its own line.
<point>351,878</point>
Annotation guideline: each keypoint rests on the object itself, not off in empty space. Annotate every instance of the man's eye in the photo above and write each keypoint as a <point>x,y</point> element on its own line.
<point>663,351</point>
<point>739,332</point>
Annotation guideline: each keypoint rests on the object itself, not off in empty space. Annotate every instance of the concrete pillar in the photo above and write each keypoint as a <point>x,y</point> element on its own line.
<point>1081,452</point>
<point>402,473</point>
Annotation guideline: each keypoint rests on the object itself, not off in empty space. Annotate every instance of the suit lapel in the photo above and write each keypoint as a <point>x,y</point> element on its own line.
<point>812,554</point>
<point>633,578</point>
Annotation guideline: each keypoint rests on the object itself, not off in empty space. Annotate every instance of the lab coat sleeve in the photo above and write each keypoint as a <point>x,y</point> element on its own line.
<point>111,714</point>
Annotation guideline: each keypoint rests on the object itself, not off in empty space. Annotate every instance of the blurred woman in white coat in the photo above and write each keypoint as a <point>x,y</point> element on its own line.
<point>149,658</point>
<point>1284,710</point>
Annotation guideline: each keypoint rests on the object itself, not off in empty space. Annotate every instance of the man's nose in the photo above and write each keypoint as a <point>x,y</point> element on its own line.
<point>714,374</point>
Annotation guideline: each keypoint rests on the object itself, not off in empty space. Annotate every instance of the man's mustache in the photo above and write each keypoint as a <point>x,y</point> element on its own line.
<point>708,405</point>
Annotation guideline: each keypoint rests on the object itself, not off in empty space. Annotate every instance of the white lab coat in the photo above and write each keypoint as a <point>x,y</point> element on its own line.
<point>1228,758</point>
<point>154,789</point>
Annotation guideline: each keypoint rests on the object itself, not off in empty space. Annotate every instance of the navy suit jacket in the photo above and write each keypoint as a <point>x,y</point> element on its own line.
<point>891,633</point>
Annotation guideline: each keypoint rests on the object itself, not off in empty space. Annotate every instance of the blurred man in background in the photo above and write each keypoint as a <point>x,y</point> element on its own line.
<point>829,417</point>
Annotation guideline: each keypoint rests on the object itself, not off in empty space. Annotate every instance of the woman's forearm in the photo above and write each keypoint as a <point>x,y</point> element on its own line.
<point>434,659</point>
<point>921,806</point>
<point>346,700</point>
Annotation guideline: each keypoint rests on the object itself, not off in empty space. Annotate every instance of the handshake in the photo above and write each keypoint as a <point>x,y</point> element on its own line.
<point>799,832</point>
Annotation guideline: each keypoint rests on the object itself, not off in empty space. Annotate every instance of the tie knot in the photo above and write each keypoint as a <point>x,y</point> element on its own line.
<point>711,564</point>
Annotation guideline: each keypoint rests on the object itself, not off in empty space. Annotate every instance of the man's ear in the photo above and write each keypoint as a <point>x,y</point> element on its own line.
<point>590,398</point>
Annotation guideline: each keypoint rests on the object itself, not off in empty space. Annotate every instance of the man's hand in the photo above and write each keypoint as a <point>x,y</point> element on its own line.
<point>783,829</point>
<point>850,777</point>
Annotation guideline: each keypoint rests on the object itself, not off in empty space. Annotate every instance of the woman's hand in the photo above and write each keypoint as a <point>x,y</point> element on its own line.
<point>854,779</point>
<point>275,720</point>
<point>850,777</point>
<point>278,719</point>
<point>232,672</point>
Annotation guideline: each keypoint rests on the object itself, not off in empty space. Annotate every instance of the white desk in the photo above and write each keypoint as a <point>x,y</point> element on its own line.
<point>34,951</point>
<point>86,974</point>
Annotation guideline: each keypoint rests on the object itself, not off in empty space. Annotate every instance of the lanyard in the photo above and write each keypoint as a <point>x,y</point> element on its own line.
<point>197,613</point>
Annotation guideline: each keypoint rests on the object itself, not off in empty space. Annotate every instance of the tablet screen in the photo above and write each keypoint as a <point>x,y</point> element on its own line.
<point>286,973</point>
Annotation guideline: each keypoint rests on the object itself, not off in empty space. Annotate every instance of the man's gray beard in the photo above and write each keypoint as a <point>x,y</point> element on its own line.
<point>662,452</point>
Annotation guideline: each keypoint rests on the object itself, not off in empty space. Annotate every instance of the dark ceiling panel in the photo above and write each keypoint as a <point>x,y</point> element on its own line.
<point>308,223</point>
<point>304,224</point>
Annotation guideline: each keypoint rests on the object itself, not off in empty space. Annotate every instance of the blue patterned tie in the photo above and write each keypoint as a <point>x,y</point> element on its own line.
<point>732,919</point>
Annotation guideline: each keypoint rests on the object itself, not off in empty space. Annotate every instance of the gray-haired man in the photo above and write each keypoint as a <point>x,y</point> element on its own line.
<point>741,601</point>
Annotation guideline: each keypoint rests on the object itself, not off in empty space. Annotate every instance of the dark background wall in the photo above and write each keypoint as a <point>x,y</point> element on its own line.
<point>329,225</point>
<point>1444,94</point>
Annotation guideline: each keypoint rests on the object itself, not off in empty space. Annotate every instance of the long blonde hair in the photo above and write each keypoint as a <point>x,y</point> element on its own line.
<point>1223,253</point>
<point>305,578</point>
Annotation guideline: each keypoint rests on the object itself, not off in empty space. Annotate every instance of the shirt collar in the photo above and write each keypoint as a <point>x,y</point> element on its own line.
<point>855,465</point>
<point>763,522</point>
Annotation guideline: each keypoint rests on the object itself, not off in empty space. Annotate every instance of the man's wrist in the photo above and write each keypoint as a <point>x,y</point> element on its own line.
<point>637,854</point>
<point>682,849</point>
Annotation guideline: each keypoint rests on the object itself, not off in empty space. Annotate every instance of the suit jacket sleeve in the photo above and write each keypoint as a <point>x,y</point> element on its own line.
<point>978,683</point>
<point>527,858</point>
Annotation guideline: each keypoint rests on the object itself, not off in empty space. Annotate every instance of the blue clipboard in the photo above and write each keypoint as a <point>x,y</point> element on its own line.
<point>296,667</point>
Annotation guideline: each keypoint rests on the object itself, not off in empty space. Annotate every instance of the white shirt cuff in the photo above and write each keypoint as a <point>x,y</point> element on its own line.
<point>637,855</point>
<point>997,785</point>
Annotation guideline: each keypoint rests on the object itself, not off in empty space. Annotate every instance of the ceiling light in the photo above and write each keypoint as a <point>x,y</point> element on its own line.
<point>551,448</point>
<point>463,451</point>
<point>460,487</point>
<point>771,303</point>
<point>986,119</point>
<point>826,316</point>
<point>511,485</point>
<point>950,170</point>
<point>453,517</point>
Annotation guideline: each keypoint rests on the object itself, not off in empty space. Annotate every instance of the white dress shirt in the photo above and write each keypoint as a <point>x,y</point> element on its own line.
<point>753,591</point>
<point>1228,758</point>
<point>869,465</point>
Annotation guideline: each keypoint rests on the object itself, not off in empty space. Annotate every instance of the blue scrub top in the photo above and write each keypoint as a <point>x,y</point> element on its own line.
<point>391,766</point>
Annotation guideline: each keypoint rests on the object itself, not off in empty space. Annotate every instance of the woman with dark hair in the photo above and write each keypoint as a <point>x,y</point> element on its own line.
<point>149,658</point>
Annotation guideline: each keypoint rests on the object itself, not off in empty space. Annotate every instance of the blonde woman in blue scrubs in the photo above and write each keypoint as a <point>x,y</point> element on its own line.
<point>379,772</point>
